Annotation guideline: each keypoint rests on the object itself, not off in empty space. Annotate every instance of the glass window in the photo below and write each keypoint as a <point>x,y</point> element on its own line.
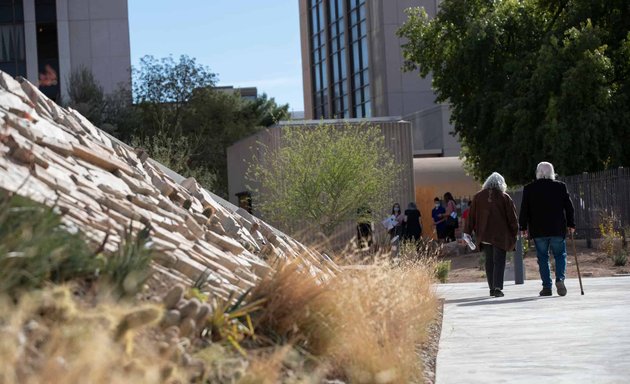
<point>362,11</point>
<point>12,46</point>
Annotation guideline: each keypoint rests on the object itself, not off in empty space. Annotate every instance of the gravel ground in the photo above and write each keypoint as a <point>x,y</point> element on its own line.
<point>429,349</point>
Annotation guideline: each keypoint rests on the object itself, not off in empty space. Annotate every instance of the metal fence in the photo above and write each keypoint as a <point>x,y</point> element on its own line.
<point>595,196</point>
<point>599,195</point>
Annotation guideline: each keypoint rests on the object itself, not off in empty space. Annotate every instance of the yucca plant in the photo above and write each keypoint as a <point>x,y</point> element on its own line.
<point>36,247</point>
<point>127,269</point>
<point>231,321</point>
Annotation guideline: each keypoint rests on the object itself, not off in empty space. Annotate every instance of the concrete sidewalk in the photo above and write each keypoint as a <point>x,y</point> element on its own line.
<point>524,338</point>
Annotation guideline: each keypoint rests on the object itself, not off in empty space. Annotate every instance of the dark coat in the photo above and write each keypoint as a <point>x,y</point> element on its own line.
<point>546,209</point>
<point>492,217</point>
<point>412,225</point>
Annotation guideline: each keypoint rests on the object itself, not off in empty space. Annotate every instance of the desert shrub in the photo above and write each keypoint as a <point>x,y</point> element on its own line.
<point>129,267</point>
<point>609,234</point>
<point>442,269</point>
<point>610,237</point>
<point>364,324</point>
<point>36,247</point>
<point>48,336</point>
<point>175,153</point>
<point>620,258</point>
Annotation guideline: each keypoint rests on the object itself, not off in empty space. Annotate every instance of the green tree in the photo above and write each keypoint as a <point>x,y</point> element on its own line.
<point>214,120</point>
<point>530,80</point>
<point>162,89</point>
<point>86,95</point>
<point>322,176</point>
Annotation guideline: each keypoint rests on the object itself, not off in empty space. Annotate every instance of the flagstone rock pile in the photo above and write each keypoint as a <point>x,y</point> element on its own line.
<point>102,187</point>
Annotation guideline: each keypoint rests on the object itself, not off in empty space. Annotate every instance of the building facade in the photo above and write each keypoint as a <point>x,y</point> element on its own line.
<point>352,68</point>
<point>45,40</point>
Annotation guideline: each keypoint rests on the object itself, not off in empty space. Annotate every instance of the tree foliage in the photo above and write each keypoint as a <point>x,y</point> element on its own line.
<point>529,80</point>
<point>86,95</point>
<point>322,176</point>
<point>176,114</point>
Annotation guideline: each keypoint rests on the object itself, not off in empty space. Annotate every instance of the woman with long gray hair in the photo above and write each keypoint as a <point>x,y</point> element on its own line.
<point>492,217</point>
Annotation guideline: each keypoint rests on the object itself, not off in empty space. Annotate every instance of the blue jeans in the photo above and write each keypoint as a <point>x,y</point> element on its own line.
<point>558,247</point>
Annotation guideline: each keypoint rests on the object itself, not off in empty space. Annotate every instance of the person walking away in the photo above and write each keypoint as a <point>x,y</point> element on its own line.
<point>546,215</point>
<point>450,217</point>
<point>413,223</point>
<point>492,217</point>
<point>438,221</point>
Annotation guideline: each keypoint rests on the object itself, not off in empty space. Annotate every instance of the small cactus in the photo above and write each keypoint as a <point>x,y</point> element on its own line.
<point>171,332</point>
<point>173,297</point>
<point>187,327</point>
<point>135,319</point>
<point>191,308</point>
<point>172,317</point>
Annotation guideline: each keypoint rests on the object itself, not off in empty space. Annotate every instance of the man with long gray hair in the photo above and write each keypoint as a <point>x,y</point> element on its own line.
<point>492,217</point>
<point>547,213</point>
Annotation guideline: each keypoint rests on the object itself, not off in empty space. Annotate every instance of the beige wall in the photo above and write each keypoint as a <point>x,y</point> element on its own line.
<point>394,92</point>
<point>92,34</point>
<point>306,60</point>
<point>432,131</point>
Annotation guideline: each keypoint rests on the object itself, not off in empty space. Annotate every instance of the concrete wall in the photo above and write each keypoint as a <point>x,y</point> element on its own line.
<point>398,141</point>
<point>394,92</point>
<point>432,131</point>
<point>92,34</point>
<point>99,39</point>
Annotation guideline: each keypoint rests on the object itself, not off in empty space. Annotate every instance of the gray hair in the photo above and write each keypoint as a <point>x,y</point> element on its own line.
<point>544,170</point>
<point>412,205</point>
<point>495,181</point>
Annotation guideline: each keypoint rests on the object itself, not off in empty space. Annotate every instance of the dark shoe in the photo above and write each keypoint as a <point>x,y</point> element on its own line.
<point>562,290</point>
<point>498,293</point>
<point>492,292</point>
<point>546,292</point>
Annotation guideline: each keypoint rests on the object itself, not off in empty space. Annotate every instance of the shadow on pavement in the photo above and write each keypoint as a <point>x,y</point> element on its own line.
<point>467,300</point>
<point>494,301</point>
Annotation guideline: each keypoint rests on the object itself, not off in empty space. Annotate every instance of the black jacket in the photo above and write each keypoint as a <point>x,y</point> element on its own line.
<point>546,209</point>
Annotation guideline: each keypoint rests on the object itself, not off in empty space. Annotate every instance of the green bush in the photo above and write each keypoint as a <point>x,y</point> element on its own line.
<point>620,259</point>
<point>442,269</point>
<point>37,248</point>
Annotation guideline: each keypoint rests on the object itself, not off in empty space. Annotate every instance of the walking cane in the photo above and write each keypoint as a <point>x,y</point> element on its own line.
<point>576,264</point>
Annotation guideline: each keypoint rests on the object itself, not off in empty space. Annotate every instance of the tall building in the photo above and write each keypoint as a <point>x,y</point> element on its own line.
<point>352,68</point>
<point>45,40</point>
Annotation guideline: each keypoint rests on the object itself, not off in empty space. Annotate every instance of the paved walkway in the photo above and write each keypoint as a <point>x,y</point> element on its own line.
<point>524,338</point>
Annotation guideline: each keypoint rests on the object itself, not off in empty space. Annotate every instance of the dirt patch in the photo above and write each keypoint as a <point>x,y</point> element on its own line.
<point>593,263</point>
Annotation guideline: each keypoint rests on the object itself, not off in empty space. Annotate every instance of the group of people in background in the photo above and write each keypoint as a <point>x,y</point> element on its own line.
<point>407,224</point>
<point>445,218</point>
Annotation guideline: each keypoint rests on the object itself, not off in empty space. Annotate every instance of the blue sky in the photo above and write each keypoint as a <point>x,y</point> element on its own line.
<point>246,42</point>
